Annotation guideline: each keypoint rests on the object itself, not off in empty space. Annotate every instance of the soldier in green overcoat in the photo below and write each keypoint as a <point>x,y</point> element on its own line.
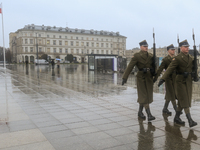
<point>143,60</point>
<point>170,80</point>
<point>183,64</point>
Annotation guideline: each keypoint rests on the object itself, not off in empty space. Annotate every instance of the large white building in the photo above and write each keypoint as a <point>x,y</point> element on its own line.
<point>57,42</point>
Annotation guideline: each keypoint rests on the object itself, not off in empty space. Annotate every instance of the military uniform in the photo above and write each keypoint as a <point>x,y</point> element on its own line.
<point>169,82</point>
<point>143,60</point>
<point>144,80</point>
<point>183,64</point>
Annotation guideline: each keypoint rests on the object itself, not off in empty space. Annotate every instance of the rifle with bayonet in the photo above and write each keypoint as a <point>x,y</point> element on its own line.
<point>195,76</point>
<point>178,44</point>
<point>154,55</point>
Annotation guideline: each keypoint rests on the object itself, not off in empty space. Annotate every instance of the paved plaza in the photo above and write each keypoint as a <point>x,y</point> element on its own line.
<point>76,109</point>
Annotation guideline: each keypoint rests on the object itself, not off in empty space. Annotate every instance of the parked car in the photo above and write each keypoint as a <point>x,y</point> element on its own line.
<point>41,62</point>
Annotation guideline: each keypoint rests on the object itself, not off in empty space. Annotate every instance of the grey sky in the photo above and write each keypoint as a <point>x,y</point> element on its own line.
<point>134,19</point>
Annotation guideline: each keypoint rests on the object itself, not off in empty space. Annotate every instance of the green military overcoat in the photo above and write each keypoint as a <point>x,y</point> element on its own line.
<point>169,81</point>
<point>183,86</point>
<point>144,80</point>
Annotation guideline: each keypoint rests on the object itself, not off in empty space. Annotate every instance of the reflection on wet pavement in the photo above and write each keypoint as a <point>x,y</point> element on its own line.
<point>79,109</point>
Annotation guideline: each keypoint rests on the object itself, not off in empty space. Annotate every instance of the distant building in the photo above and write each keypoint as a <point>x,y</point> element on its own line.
<point>58,42</point>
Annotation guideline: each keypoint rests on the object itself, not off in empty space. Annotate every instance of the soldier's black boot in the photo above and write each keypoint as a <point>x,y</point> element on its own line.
<point>140,113</point>
<point>175,108</point>
<point>165,110</point>
<point>177,118</point>
<point>150,117</point>
<point>190,121</point>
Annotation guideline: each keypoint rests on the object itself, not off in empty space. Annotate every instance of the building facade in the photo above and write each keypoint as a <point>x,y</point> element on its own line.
<point>58,42</point>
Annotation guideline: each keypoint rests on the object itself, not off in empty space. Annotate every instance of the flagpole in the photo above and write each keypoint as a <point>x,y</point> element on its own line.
<point>4,64</point>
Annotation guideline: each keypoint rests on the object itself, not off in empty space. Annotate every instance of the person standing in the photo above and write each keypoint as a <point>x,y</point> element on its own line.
<point>183,64</point>
<point>58,64</point>
<point>144,61</point>
<point>52,63</point>
<point>170,81</point>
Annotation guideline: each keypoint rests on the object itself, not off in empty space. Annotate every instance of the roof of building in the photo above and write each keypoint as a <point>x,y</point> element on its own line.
<point>67,29</point>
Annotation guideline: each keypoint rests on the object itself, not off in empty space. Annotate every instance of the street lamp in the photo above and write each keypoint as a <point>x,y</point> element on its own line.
<point>37,48</point>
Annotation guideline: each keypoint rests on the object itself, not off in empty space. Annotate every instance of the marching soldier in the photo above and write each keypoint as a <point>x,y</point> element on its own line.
<point>143,60</point>
<point>170,80</point>
<point>183,64</point>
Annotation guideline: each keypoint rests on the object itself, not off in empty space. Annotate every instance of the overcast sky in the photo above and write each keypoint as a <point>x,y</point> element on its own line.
<point>134,19</point>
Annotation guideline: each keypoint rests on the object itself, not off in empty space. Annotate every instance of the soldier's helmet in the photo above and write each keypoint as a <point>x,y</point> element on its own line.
<point>170,47</point>
<point>184,43</point>
<point>143,43</point>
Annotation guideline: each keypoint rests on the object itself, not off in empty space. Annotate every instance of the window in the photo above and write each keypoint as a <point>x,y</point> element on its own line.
<point>92,44</point>
<point>71,37</point>
<point>66,37</point>
<point>26,49</point>
<point>66,51</point>
<point>106,51</point>
<point>72,50</point>
<point>101,39</point>
<point>60,50</point>
<point>54,42</point>
<point>87,38</point>
<point>31,49</point>
<point>77,38</point>
<point>82,43</point>
<point>97,44</point>
<point>66,42</point>
<point>106,39</point>
<point>111,40</point>
<point>92,51</point>
<point>87,51</point>
<point>26,41</point>
<point>101,44</point>
<point>77,51</point>
<point>48,42</point>
<point>40,41</point>
<point>97,51</point>
<point>60,36</point>
<point>48,50</point>
<point>48,36</point>
<point>92,39</point>
<point>54,50</point>
<point>72,43</point>
<point>111,52</point>
<point>97,39</point>
<point>82,51</point>
<point>87,44</point>
<point>40,49</point>
<point>106,44</point>
<point>111,45</point>
<point>82,38</point>
<point>31,41</point>
<point>60,42</point>
<point>54,36</point>
<point>39,35</point>
<point>31,34</point>
<point>77,43</point>
<point>102,51</point>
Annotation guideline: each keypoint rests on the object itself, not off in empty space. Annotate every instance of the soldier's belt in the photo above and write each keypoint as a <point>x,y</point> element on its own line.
<point>185,74</point>
<point>145,69</point>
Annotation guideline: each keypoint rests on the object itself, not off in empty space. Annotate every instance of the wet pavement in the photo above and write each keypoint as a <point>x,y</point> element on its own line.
<point>76,109</point>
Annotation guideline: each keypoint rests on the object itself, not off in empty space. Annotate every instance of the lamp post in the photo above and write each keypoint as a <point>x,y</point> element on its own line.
<point>37,48</point>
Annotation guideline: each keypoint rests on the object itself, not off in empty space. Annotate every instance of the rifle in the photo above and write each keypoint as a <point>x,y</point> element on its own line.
<point>154,55</point>
<point>195,59</point>
<point>178,44</point>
